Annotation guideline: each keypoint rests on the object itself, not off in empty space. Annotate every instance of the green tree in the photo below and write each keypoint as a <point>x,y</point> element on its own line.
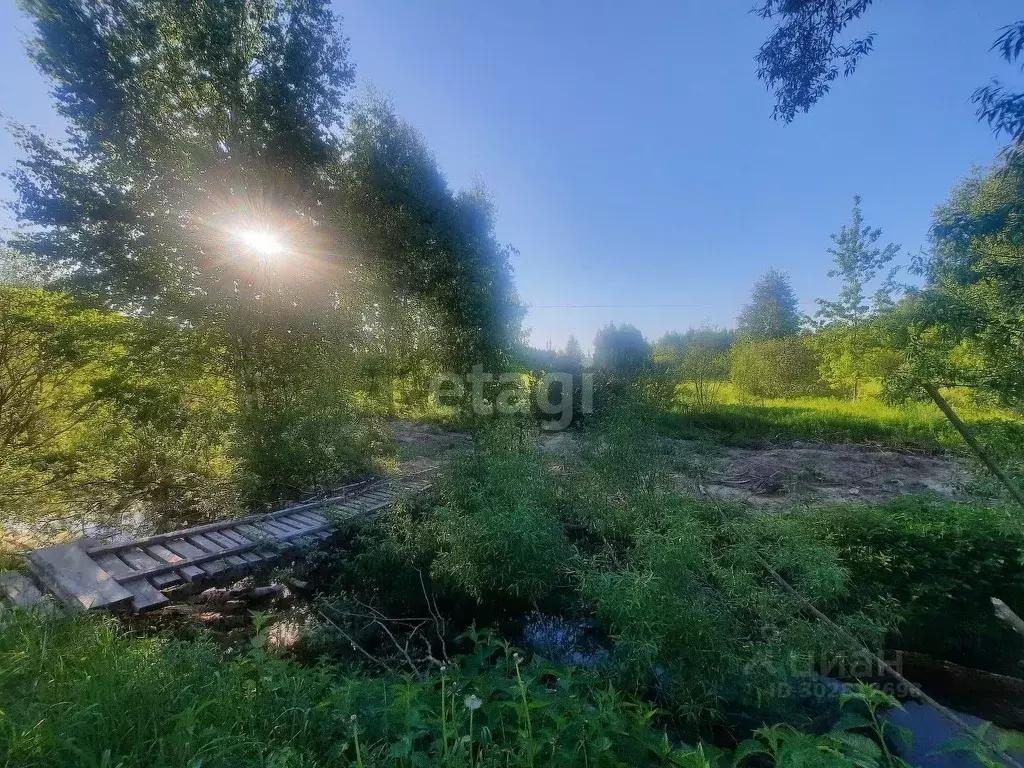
<point>846,335</point>
<point>573,349</point>
<point>703,371</point>
<point>773,310</point>
<point>15,269</point>
<point>965,327</point>
<point>419,242</point>
<point>777,368</point>
<point>186,123</point>
<point>698,358</point>
<point>191,124</point>
<point>107,419</point>
<point>621,349</point>
<point>673,346</point>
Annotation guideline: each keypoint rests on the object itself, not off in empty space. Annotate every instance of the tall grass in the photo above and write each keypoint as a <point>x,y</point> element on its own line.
<point>79,692</point>
<point>825,419</point>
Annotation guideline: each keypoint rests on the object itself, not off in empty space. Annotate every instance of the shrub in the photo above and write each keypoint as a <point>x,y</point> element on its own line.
<point>942,563</point>
<point>776,368</point>
<point>618,490</point>
<point>497,529</point>
<point>108,419</point>
<point>703,371</point>
<point>295,439</point>
<point>696,618</point>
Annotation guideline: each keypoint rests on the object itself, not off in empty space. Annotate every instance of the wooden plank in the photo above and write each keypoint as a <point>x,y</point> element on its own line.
<point>307,520</point>
<point>140,561</point>
<point>299,520</point>
<point>239,540</point>
<point>273,529</point>
<point>265,551</point>
<point>76,578</point>
<point>312,519</point>
<point>373,506</point>
<point>162,538</point>
<point>217,556</point>
<point>266,540</point>
<point>228,539</point>
<point>89,573</point>
<point>285,523</point>
<point>189,572</point>
<point>189,551</point>
<point>196,557</point>
<point>205,542</point>
<point>144,595</point>
<point>20,591</point>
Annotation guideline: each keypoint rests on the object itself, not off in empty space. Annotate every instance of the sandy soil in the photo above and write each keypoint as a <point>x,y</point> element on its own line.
<point>831,473</point>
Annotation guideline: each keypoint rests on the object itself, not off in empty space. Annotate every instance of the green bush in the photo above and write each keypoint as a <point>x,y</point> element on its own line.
<point>695,616</point>
<point>617,490</point>
<point>942,563</point>
<point>299,438</point>
<point>498,534</point>
<point>776,368</point>
<point>108,419</point>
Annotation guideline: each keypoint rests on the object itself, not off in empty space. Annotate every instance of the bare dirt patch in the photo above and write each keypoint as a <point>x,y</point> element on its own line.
<point>422,446</point>
<point>831,473</point>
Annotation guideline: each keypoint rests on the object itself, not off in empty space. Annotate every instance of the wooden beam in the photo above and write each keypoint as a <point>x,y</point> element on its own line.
<point>975,446</point>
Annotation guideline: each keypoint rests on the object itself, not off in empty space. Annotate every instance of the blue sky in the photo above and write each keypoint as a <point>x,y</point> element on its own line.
<point>629,147</point>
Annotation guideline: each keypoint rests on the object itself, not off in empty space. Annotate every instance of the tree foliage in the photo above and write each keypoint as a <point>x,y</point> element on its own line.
<point>1003,110</point>
<point>189,124</point>
<point>186,122</point>
<point>773,309</point>
<point>846,334</point>
<point>777,368</point>
<point>698,358</point>
<point>417,239</point>
<point>807,50</point>
<point>674,345</point>
<point>106,419</point>
<point>621,349</point>
<point>965,327</point>
<point>804,54</point>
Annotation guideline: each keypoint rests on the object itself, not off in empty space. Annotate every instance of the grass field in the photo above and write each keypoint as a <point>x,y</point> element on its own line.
<point>829,420</point>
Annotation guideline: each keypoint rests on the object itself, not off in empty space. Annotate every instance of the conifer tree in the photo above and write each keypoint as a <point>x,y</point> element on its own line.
<point>772,312</point>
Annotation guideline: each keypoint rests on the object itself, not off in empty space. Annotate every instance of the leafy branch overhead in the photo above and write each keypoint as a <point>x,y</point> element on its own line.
<point>810,47</point>
<point>805,53</point>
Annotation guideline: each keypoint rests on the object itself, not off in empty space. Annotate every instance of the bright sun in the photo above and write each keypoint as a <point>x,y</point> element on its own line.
<point>263,243</point>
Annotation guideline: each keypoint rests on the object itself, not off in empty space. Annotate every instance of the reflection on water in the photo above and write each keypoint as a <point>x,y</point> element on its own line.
<point>932,732</point>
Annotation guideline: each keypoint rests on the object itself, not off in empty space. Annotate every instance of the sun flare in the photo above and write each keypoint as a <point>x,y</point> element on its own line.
<point>261,242</point>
